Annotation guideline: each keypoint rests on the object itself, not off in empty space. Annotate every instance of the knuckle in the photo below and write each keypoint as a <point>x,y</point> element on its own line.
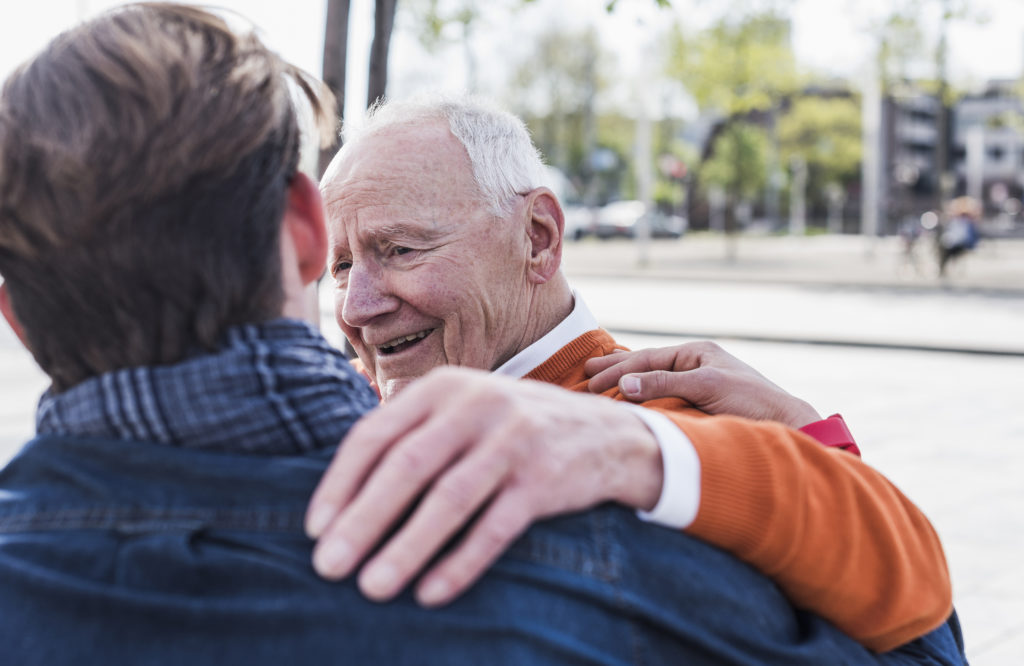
<point>707,347</point>
<point>457,492</point>
<point>659,382</point>
<point>408,461</point>
<point>706,381</point>
<point>711,375</point>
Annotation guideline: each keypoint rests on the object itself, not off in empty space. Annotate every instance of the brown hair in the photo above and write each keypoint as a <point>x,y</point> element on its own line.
<point>145,158</point>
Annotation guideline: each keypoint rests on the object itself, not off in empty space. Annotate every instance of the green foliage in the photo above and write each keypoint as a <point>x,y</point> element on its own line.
<point>556,88</point>
<point>563,69</point>
<point>668,195</point>
<point>739,162</point>
<point>826,133</point>
<point>431,19</point>
<point>737,65</point>
<point>610,4</point>
<point>901,42</point>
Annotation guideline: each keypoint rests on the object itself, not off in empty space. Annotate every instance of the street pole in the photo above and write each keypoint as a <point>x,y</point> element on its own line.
<point>975,145</point>
<point>644,183</point>
<point>797,198</point>
<point>871,164</point>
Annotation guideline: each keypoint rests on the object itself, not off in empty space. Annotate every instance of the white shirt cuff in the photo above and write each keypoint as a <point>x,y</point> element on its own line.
<point>680,490</point>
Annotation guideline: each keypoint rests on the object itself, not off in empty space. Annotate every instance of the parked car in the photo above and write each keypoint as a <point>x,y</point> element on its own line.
<point>579,221</point>
<point>620,218</point>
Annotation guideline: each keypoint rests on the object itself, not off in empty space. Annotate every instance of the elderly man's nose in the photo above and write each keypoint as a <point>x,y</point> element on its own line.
<point>367,296</point>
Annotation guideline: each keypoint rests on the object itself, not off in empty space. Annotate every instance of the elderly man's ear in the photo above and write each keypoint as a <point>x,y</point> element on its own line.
<point>8,311</point>
<point>547,224</point>
<point>304,225</point>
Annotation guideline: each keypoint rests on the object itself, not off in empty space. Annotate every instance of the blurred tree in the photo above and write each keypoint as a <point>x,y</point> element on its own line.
<point>334,62</point>
<point>739,64</point>
<point>556,89</point>
<point>740,69</point>
<point>739,162</point>
<point>900,38</point>
<point>383,24</point>
<point>431,20</point>
<point>609,5</point>
<point>826,134</point>
<point>335,56</point>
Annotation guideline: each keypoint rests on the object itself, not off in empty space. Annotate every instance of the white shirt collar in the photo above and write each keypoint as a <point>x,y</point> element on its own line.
<point>579,321</point>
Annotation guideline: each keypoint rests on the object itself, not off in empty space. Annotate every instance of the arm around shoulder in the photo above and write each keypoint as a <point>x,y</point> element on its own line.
<point>835,534</point>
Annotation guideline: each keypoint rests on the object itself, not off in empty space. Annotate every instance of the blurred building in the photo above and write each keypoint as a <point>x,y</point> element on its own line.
<point>990,123</point>
<point>985,146</point>
<point>910,143</point>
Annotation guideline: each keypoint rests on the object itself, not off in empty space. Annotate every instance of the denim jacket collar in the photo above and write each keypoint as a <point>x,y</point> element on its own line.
<point>277,387</point>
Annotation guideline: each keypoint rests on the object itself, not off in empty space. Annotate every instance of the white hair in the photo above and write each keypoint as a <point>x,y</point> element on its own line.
<point>504,160</point>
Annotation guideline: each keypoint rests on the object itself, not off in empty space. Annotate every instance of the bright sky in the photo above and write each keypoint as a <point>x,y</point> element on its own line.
<point>828,36</point>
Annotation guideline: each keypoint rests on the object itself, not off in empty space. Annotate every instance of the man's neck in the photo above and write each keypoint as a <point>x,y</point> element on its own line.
<point>553,303</point>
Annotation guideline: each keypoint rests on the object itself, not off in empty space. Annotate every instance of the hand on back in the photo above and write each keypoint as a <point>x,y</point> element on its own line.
<point>703,374</point>
<point>464,447</point>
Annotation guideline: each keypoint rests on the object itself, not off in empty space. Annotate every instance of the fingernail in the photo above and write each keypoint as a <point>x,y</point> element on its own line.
<point>378,580</point>
<point>435,591</point>
<point>316,522</point>
<point>631,385</point>
<point>333,559</point>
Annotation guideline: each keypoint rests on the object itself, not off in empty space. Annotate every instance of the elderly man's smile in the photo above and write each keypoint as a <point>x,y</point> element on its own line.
<point>402,343</point>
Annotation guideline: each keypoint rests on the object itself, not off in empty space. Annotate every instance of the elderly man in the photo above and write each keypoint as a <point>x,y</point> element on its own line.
<point>445,250</point>
<point>155,241</point>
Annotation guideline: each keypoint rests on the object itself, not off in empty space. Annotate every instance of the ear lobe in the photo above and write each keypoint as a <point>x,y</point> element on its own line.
<point>8,311</point>
<point>547,224</point>
<point>305,224</point>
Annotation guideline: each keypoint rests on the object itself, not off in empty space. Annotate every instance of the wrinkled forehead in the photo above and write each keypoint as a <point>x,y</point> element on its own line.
<point>401,167</point>
<point>401,178</point>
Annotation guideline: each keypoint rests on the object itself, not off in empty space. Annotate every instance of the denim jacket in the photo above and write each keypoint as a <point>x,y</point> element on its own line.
<point>181,550</point>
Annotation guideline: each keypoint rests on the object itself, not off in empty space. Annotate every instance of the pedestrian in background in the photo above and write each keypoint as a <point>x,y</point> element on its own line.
<point>960,234</point>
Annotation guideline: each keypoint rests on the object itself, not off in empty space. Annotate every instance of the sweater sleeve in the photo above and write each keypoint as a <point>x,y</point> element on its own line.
<point>837,537</point>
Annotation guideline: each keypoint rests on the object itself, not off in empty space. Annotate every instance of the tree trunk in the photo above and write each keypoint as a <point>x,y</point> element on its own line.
<point>335,50</point>
<point>383,22</point>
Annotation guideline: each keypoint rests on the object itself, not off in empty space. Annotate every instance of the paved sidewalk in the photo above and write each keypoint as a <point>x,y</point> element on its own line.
<point>995,267</point>
<point>946,426</point>
<point>946,430</point>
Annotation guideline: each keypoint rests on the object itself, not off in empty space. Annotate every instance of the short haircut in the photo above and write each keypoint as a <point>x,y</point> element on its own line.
<point>145,159</point>
<point>503,158</point>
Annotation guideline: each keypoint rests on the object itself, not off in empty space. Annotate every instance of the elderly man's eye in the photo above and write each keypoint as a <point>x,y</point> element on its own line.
<point>340,267</point>
<point>402,250</point>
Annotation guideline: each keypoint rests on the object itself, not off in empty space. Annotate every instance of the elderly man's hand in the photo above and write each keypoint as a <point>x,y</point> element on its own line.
<point>703,374</point>
<point>473,445</point>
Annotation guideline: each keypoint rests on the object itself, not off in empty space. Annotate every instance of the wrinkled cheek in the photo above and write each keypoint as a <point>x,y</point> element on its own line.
<point>470,344</point>
<point>456,349</point>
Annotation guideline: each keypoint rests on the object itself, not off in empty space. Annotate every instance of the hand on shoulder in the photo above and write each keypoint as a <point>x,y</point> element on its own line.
<point>703,374</point>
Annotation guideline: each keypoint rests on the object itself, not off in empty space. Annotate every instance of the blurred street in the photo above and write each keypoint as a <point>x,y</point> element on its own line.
<point>929,375</point>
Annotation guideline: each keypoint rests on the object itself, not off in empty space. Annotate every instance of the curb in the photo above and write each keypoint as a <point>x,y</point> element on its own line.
<point>831,342</point>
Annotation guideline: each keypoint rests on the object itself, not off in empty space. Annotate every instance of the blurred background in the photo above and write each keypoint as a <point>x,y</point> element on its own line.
<point>831,189</point>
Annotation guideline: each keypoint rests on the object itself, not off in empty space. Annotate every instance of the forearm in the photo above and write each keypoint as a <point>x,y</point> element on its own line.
<point>837,537</point>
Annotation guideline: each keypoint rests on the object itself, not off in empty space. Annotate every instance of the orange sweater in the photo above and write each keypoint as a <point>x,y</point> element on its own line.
<point>836,536</point>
